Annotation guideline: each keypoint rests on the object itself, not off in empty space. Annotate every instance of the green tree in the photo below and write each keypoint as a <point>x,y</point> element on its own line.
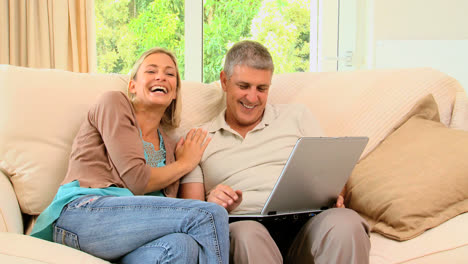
<point>161,24</point>
<point>284,28</point>
<point>112,18</point>
<point>224,22</point>
<point>126,28</point>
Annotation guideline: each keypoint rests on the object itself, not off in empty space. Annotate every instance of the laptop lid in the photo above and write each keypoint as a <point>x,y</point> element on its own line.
<point>314,175</point>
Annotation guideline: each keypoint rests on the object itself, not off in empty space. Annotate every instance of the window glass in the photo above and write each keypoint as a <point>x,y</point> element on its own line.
<point>283,26</point>
<point>126,28</point>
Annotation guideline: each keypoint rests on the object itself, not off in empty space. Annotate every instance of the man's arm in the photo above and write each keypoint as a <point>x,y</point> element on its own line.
<point>340,200</point>
<point>192,190</point>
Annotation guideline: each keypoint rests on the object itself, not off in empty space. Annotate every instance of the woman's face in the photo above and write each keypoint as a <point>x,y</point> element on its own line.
<point>155,82</point>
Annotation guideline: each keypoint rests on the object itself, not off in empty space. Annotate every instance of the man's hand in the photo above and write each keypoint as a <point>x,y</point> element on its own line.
<point>340,202</point>
<point>226,197</point>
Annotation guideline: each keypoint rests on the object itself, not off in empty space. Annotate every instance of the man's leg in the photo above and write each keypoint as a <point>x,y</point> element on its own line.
<point>251,243</point>
<point>337,235</point>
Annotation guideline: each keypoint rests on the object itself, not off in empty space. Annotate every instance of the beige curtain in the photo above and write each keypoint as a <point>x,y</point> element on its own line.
<point>48,34</point>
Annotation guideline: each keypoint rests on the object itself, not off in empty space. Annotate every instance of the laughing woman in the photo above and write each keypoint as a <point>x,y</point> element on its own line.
<point>114,201</point>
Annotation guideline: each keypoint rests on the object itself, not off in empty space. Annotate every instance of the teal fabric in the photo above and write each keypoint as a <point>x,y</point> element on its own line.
<point>67,193</point>
<point>155,158</point>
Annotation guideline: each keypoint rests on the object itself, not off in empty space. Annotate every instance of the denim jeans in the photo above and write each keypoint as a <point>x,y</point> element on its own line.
<point>145,229</point>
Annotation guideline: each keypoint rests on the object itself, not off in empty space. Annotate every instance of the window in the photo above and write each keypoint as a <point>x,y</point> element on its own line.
<point>283,26</point>
<point>126,28</point>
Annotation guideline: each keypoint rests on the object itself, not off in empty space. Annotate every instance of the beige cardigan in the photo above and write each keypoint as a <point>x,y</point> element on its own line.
<point>108,151</point>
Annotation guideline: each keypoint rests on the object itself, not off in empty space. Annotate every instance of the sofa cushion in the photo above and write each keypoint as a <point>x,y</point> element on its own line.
<point>460,111</point>
<point>18,248</point>
<point>415,179</point>
<point>10,214</point>
<point>368,102</point>
<point>448,243</point>
<point>201,103</point>
<point>40,113</point>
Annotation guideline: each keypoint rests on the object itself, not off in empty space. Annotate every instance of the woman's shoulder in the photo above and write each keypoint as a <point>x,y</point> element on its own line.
<point>111,103</point>
<point>114,100</point>
<point>112,97</point>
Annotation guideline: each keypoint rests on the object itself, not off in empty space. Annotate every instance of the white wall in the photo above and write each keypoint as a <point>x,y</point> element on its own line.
<point>415,33</point>
<point>420,19</point>
<point>394,34</point>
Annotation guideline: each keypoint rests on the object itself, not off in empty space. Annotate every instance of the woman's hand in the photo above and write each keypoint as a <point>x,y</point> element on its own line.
<point>190,150</point>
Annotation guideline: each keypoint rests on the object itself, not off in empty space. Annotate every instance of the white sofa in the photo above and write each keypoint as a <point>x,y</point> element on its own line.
<point>41,111</point>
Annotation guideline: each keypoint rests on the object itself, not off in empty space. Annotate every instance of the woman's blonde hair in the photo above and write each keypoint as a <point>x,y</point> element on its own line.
<point>171,117</point>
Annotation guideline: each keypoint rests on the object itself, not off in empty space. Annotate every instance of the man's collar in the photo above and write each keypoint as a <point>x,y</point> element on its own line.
<point>219,122</point>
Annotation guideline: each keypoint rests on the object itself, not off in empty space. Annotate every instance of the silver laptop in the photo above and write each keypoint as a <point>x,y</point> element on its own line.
<point>314,175</point>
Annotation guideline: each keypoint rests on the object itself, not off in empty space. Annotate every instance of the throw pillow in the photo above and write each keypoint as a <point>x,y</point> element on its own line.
<point>416,179</point>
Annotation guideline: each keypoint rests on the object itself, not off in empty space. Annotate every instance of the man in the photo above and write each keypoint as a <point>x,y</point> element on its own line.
<point>250,143</point>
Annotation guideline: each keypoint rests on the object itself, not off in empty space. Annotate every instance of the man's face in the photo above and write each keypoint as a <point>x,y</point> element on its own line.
<point>246,96</point>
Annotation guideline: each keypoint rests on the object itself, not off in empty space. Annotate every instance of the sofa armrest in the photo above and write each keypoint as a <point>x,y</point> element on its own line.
<point>17,248</point>
<point>10,212</point>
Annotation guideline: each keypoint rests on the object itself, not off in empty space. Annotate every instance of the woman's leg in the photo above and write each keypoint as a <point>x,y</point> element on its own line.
<point>174,248</point>
<point>111,227</point>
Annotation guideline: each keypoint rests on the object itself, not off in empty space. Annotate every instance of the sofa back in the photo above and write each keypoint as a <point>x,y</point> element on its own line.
<point>41,110</point>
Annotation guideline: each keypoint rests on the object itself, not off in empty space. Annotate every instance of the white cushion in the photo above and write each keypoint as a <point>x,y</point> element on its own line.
<point>451,236</point>
<point>201,102</point>
<point>10,215</point>
<point>368,103</point>
<point>40,113</point>
<point>18,248</point>
<point>460,111</point>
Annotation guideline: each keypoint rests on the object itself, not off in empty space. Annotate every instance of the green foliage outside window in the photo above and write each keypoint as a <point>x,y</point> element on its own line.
<point>126,28</point>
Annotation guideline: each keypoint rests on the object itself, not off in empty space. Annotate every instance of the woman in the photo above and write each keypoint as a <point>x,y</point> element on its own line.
<point>120,153</point>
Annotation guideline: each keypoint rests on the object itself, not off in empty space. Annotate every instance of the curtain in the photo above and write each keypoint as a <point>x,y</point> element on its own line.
<point>55,34</point>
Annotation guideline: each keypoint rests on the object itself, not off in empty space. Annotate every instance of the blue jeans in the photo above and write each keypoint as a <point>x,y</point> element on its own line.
<point>145,229</point>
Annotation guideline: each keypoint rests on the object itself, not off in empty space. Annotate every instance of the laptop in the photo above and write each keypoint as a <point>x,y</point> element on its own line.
<point>313,177</point>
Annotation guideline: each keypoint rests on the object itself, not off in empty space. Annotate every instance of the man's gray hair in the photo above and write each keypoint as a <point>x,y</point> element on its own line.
<point>248,53</point>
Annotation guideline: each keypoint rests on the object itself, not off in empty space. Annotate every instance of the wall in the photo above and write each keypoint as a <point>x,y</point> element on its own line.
<point>419,33</point>
<point>420,19</point>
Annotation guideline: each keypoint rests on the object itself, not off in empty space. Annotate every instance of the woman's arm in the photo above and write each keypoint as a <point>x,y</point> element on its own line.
<point>114,119</point>
<point>188,154</point>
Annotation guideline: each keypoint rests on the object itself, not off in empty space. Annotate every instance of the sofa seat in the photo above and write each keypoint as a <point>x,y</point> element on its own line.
<point>446,243</point>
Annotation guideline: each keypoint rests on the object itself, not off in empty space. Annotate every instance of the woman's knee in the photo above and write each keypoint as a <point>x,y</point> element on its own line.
<point>183,246</point>
<point>212,214</point>
<point>172,248</point>
<point>216,210</point>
